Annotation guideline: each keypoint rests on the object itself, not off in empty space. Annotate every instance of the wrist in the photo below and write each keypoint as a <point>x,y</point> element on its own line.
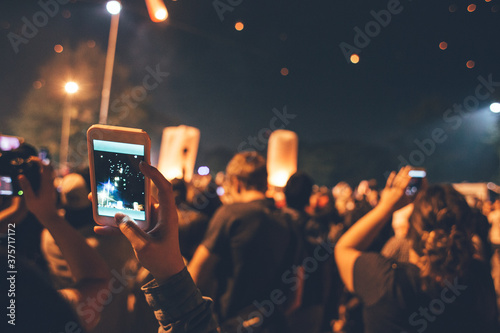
<point>384,208</point>
<point>163,275</point>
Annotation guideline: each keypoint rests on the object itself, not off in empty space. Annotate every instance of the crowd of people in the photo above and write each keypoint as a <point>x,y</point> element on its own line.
<point>302,258</point>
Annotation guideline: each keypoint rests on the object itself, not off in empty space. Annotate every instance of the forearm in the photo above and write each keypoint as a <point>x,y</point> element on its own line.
<point>83,261</point>
<point>357,239</point>
<point>179,305</point>
<point>365,230</point>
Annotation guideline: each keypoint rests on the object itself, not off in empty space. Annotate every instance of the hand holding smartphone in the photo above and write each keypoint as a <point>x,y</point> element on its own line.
<point>417,178</point>
<point>117,184</point>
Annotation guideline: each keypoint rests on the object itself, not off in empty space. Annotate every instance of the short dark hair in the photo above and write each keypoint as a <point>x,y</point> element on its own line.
<point>250,169</point>
<point>298,190</point>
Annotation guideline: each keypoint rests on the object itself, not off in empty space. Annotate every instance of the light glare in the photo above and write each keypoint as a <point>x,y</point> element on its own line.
<point>113,7</point>
<point>71,87</point>
<point>495,107</point>
<point>161,14</point>
<point>157,10</point>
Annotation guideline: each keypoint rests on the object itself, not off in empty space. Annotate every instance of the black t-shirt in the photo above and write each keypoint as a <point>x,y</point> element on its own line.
<point>394,301</point>
<point>253,243</point>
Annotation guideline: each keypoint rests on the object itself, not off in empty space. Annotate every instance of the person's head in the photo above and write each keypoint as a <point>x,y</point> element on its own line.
<point>440,231</point>
<point>180,190</point>
<point>247,172</point>
<point>298,190</point>
<point>74,190</point>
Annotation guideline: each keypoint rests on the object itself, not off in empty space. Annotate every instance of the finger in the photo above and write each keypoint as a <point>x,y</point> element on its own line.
<point>390,179</point>
<point>404,176</point>
<point>155,175</point>
<point>47,175</point>
<point>26,187</point>
<point>106,230</point>
<point>165,193</point>
<point>134,234</point>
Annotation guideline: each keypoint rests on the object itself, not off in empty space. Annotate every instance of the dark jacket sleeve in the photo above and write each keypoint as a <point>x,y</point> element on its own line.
<point>179,305</point>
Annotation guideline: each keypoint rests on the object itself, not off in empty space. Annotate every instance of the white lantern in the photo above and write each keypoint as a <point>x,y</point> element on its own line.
<point>179,147</point>
<point>282,154</point>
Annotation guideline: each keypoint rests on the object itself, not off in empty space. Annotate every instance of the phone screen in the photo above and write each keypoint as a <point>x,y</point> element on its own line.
<point>415,182</point>
<point>119,182</point>
<point>6,187</point>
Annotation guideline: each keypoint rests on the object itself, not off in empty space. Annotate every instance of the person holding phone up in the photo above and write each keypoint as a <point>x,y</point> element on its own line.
<point>443,287</point>
<point>178,304</point>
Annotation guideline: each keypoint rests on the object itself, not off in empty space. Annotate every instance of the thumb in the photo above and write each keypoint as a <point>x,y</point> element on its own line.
<point>136,237</point>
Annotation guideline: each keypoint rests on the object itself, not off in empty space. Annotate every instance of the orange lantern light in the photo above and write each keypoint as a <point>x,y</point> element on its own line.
<point>282,155</point>
<point>157,10</point>
<point>179,147</point>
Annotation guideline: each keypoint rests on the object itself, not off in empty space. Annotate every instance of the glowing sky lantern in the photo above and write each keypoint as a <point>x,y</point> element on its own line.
<point>282,154</point>
<point>157,10</point>
<point>179,147</point>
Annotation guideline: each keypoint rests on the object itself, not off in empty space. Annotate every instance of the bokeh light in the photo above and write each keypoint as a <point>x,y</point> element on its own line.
<point>495,107</point>
<point>161,14</point>
<point>91,43</point>
<point>284,71</point>
<point>113,7</point>
<point>58,48</point>
<point>471,8</point>
<point>203,170</point>
<point>239,26</point>
<point>452,8</point>
<point>71,87</point>
<point>443,45</point>
<point>37,84</point>
<point>470,64</point>
<point>66,14</point>
<point>354,58</point>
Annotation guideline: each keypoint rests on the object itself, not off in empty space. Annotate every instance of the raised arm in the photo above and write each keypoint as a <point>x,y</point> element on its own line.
<point>88,268</point>
<point>362,233</point>
<point>178,304</point>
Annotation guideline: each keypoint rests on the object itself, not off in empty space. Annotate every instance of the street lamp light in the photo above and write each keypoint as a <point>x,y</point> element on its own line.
<point>495,107</point>
<point>70,88</point>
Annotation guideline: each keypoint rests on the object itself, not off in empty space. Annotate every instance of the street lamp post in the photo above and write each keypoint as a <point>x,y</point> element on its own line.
<point>114,8</point>
<point>157,11</point>
<point>70,88</point>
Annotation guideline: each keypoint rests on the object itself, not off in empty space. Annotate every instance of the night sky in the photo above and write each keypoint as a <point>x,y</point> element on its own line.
<point>227,82</point>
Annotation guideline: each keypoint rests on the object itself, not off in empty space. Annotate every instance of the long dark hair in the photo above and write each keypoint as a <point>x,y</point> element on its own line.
<point>440,231</point>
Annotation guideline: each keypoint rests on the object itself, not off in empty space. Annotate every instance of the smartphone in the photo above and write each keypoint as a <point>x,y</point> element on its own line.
<point>6,186</point>
<point>117,184</point>
<point>417,177</point>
